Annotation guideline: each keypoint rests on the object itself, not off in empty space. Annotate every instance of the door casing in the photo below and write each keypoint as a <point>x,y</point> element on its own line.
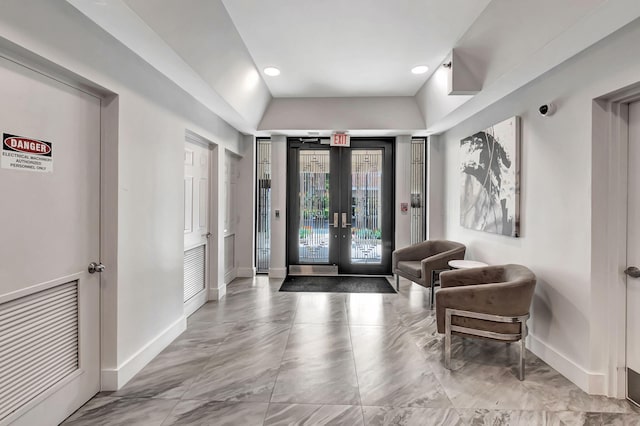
<point>610,149</point>
<point>199,236</point>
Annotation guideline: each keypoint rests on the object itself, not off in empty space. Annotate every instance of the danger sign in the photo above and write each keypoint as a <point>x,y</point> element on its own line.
<point>340,139</point>
<point>20,153</point>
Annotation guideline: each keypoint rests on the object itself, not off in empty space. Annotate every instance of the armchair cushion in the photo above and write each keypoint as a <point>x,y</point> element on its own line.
<point>411,267</point>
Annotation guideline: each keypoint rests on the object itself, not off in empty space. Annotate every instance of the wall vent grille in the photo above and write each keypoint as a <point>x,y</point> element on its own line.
<point>194,271</point>
<point>38,344</point>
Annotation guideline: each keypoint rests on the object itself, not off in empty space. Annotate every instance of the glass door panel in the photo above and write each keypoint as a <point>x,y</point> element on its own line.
<point>366,197</point>
<point>313,222</point>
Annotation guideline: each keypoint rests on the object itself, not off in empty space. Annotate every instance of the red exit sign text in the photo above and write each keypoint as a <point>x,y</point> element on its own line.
<point>340,139</point>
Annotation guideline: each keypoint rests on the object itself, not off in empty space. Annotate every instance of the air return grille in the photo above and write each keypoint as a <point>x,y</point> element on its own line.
<point>193,271</point>
<point>38,344</point>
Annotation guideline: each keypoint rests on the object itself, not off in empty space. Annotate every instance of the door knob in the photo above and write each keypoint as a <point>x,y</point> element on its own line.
<point>207,235</point>
<point>95,267</point>
<point>633,272</point>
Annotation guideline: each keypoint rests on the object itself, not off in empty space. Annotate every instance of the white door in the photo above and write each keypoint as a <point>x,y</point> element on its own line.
<point>633,257</point>
<point>49,211</point>
<point>196,224</point>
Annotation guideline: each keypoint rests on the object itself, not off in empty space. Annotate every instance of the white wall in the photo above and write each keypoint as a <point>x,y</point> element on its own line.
<point>245,241</point>
<point>373,113</point>
<point>556,200</point>
<point>402,191</point>
<point>433,99</point>
<point>435,188</point>
<point>278,261</point>
<point>152,118</point>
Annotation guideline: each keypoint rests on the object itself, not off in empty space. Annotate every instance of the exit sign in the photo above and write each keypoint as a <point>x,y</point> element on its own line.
<point>340,139</point>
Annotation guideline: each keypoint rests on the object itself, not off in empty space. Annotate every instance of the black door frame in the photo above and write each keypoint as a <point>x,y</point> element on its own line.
<point>339,174</point>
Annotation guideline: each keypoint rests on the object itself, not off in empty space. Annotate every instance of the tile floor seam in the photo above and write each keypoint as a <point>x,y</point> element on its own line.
<point>284,350</point>
<point>435,376</point>
<point>169,413</point>
<point>346,311</point>
<point>199,375</point>
<point>355,368</point>
<point>432,371</point>
<point>202,369</point>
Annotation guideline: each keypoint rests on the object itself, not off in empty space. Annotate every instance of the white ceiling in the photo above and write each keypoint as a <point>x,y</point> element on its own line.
<point>337,54</point>
<point>340,48</point>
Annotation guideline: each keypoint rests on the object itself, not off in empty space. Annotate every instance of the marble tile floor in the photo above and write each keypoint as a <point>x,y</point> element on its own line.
<point>260,357</point>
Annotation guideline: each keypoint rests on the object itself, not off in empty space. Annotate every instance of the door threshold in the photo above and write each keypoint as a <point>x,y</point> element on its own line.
<point>367,275</point>
<point>326,270</point>
<point>313,270</point>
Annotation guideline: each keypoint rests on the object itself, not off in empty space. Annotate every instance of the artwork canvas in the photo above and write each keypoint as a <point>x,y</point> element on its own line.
<point>490,178</point>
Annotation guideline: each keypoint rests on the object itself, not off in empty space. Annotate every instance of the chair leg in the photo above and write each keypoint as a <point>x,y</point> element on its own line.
<point>433,288</point>
<point>523,349</point>
<point>397,282</point>
<point>447,340</point>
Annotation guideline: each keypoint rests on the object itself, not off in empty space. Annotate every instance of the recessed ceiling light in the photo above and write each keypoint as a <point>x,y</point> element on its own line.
<point>420,69</point>
<point>272,71</point>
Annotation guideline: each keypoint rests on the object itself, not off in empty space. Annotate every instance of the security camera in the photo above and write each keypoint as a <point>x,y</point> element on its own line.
<point>547,110</point>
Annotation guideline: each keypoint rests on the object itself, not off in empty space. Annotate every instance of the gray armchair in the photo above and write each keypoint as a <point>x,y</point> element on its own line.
<point>491,302</point>
<point>418,261</point>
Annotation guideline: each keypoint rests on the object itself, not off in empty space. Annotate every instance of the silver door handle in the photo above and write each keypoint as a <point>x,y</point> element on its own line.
<point>345,224</point>
<point>335,220</point>
<point>633,272</point>
<point>207,235</point>
<point>95,267</point>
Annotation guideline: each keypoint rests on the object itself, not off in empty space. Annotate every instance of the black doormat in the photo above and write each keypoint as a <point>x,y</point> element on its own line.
<point>337,284</point>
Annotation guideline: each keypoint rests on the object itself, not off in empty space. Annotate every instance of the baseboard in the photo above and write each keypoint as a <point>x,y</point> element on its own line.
<point>277,272</point>
<point>592,383</point>
<point>114,379</point>
<point>246,272</point>
<point>231,275</point>
<point>193,304</point>
<point>217,293</point>
<point>213,293</point>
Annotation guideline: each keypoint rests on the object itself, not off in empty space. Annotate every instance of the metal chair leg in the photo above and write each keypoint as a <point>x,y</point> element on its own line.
<point>523,349</point>
<point>449,328</point>
<point>433,288</point>
<point>447,340</point>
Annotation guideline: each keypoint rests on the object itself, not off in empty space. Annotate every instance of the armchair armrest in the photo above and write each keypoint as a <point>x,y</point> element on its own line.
<point>414,252</point>
<point>440,261</point>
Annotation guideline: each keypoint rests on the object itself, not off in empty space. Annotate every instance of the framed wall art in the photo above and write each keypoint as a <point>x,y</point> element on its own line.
<point>490,179</point>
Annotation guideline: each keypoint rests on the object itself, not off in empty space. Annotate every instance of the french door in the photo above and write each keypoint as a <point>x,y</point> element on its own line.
<point>340,205</point>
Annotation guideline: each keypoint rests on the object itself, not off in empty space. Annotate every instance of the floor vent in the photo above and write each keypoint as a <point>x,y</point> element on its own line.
<point>194,271</point>
<point>38,344</point>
